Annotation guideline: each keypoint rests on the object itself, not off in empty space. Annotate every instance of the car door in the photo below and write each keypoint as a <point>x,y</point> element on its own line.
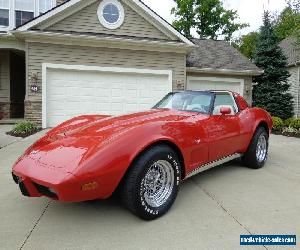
<point>224,130</point>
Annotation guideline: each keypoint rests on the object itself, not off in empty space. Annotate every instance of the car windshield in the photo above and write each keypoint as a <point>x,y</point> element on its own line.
<point>194,101</point>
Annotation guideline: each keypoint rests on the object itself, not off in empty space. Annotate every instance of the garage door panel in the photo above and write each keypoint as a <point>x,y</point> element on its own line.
<point>71,93</point>
<point>215,84</point>
<point>131,93</point>
<point>117,92</point>
<point>131,107</point>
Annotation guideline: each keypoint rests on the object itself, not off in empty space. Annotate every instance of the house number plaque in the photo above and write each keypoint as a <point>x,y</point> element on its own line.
<point>34,88</point>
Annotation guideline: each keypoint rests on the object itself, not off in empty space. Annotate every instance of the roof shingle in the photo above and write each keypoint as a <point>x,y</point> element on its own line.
<point>218,55</point>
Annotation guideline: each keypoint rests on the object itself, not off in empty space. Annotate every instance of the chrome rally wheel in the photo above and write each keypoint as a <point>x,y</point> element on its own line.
<point>152,182</point>
<point>261,148</point>
<point>158,183</point>
<point>257,152</point>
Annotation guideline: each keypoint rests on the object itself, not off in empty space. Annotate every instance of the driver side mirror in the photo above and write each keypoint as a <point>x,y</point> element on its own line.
<point>225,111</point>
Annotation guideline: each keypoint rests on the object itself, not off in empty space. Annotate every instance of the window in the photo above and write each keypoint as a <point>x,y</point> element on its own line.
<point>111,14</point>
<point>193,101</point>
<point>224,99</point>
<point>4,13</point>
<point>24,11</point>
<point>45,5</point>
<point>23,17</point>
<point>24,5</point>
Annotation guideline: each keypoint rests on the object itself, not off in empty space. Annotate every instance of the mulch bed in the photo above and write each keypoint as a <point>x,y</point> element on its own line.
<point>24,135</point>
<point>288,134</point>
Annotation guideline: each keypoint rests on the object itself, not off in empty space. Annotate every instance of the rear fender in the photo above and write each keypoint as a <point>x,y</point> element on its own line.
<point>261,118</point>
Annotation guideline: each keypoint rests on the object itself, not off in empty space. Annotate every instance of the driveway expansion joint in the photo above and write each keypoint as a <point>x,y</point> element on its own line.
<point>35,224</point>
<point>211,196</point>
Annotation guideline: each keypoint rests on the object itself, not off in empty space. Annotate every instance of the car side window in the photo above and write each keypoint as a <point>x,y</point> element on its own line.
<point>224,99</point>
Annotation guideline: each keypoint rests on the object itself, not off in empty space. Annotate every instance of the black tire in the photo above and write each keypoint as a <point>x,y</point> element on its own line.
<point>250,158</point>
<point>133,191</point>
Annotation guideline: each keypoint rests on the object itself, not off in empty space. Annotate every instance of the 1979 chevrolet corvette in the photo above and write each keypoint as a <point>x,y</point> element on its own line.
<point>144,155</point>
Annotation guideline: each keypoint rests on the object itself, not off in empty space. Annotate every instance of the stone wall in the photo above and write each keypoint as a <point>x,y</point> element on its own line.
<point>4,110</point>
<point>33,111</point>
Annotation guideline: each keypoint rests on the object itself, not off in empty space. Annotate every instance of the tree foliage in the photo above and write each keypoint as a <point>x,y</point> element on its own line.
<point>247,44</point>
<point>271,91</point>
<point>208,17</point>
<point>287,23</point>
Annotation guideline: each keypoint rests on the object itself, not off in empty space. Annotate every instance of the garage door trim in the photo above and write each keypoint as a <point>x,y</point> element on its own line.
<point>46,66</point>
<point>217,79</point>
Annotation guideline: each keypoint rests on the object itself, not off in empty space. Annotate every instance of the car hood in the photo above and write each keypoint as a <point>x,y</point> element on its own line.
<point>104,127</point>
<point>68,147</point>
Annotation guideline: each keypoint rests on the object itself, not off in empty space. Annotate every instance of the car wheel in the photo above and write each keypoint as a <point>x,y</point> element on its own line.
<point>151,185</point>
<point>257,153</point>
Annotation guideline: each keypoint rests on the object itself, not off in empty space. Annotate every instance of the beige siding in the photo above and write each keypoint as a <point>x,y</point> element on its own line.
<point>247,82</point>
<point>295,88</point>
<point>75,55</point>
<point>86,20</point>
<point>4,77</point>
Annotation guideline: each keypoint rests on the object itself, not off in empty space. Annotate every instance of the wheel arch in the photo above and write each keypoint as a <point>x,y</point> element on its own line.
<point>156,143</point>
<point>263,124</point>
<point>174,147</point>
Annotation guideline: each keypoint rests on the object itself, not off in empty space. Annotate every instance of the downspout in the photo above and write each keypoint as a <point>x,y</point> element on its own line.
<point>298,110</point>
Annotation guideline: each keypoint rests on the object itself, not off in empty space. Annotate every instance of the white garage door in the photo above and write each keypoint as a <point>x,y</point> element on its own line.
<point>71,93</point>
<point>211,83</point>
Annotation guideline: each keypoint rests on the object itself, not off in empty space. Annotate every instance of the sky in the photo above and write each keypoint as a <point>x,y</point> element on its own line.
<point>250,11</point>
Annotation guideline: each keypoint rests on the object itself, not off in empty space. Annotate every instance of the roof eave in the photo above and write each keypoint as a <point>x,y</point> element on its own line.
<point>8,41</point>
<point>224,71</point>
<point>59,9</point>
<point>294,64</point>
<point>107,41</point>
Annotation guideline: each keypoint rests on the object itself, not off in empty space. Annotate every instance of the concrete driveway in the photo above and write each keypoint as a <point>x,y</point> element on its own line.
<point>4,138</point>
<point>211,212</point>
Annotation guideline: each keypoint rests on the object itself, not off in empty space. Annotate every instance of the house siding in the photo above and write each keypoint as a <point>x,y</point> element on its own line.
<point>4,76</point>
<point>4,85</point>
<point>86,20</point>
<point>39,53</point>
<point>295,88</point>
<point>247,82</point>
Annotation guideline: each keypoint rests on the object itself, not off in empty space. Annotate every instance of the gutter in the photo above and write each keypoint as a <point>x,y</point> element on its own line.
<point>224,71</point>
<point>294,64</point>
<point>297,114</point>
<point>8,41</point>
<point>105,41</point>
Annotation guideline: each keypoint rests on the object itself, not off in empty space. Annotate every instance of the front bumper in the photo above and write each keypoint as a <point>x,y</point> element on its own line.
<point>39,190</point>
<point>36,180</point>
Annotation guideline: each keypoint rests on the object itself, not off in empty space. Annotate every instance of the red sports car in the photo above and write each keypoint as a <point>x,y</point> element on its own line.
<point>144,156</point>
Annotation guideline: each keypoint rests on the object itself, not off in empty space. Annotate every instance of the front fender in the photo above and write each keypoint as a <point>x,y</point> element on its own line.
<point>111,160</point>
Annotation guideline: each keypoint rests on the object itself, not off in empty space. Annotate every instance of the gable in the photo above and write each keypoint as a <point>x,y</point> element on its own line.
<point>86,21</point>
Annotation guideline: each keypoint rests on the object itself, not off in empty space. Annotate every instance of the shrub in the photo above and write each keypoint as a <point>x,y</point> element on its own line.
<point>295,123</point>
<point>287,122</point>
<point>24,127</point>
<point>289,130</point>
<point>277,123</point>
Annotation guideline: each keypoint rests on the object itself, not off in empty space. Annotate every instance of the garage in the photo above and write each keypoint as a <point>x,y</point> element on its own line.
<point>70,91</point>
<point>215,83</point>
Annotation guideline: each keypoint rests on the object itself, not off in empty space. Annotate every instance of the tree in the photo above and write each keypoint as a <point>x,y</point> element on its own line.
<point>287,23</point>
<point>247,44</point>
<point>208,17</point>
<point>271,91</point>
